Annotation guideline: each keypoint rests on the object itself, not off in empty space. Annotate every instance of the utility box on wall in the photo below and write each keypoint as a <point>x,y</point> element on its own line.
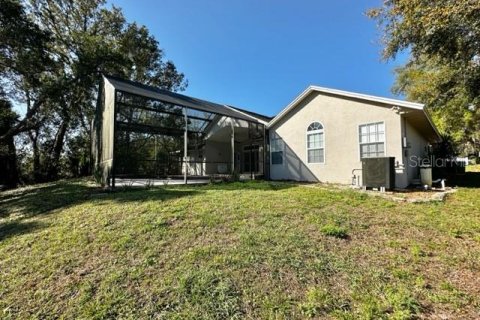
<point>379,172</point>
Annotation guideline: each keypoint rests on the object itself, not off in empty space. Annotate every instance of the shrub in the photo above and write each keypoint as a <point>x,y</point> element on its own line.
<point>318,302</point>
<point>334,231</point>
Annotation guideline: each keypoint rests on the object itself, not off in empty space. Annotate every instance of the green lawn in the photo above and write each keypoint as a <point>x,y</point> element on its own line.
<point>236,250</point>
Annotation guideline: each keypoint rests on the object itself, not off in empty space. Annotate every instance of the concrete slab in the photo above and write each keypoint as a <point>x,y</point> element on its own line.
<point>119,182</point>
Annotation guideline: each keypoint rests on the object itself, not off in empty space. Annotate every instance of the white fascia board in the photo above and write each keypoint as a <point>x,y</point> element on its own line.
<point>387,101</point>
<point>289,107</point>
<point>247,115</point>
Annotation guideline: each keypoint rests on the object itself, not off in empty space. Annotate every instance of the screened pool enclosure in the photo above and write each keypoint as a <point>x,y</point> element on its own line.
<point>145,135</point>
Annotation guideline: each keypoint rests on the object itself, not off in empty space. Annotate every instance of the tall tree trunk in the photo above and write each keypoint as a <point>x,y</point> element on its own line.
<point>56,150</point>
<point>8,158</point>
<point>8,161</point>
<point>33,135</point>
<point>12,170</point>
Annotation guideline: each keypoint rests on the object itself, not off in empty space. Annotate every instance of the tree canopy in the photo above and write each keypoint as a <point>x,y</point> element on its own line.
<point>443,38</point>
<point>52,54</point>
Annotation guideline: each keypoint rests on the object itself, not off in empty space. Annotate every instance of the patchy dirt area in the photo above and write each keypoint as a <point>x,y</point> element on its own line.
<point>412,195</point>
<point>400,195</point>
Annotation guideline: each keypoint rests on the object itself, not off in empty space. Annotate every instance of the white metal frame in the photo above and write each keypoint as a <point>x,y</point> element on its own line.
<point>359,144</point>
<point>324,142</point>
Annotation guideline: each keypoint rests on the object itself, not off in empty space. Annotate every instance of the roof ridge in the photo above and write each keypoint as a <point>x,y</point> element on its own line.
<point>251,112</point>
<point>364,95</point>
<point>343,93</point>
<point>158,89</point>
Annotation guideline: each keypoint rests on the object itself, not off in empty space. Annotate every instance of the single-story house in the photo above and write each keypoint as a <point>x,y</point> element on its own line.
<point>324,133</point>
<point>142,132</point>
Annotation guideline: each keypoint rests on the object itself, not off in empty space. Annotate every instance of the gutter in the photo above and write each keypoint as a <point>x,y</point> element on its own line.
<point>341,93</point>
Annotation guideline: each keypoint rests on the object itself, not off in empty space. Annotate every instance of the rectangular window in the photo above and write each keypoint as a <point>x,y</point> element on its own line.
<point>372,140</point>
<point>315,148</point>
<point>276,150</point>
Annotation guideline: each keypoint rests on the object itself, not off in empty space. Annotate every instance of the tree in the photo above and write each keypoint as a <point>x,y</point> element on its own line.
<point>24,63</point>
<point>8,161</point>
<point>80,41</point>
<point>447,29</point>
<point>443,37</point>
<point>452,110</point>
<point>90,40</point>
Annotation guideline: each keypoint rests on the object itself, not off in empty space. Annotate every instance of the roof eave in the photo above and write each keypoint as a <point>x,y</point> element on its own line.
<point>290,106</point>
<point>427,114</point>
<point>310,89</point>
<point>246,114</point>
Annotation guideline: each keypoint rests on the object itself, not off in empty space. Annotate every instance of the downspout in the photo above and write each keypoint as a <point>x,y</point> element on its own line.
<point>233,147</point>
<point>185,147</point>
<point>250,153</point>
<point>404,143</point>
<point>264,153</point>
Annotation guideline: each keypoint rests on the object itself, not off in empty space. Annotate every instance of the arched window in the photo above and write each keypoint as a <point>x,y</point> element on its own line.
<point>315,143</point>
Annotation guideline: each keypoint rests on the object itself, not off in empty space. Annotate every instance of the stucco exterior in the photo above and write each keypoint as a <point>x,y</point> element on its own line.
<point>341,118</point>
<point>414,150</point>
<point>235,141</point>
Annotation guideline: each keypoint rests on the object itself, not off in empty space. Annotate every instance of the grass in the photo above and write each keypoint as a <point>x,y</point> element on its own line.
<point>236,250</point>
<point>334,231</point>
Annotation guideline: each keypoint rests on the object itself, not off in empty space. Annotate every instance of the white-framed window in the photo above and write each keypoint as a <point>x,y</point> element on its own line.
<point>372,140</point>
<point>315,143</point>
<point>276,150</point>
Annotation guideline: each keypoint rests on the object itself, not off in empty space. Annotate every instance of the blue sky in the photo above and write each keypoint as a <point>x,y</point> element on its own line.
<point>260,54</point>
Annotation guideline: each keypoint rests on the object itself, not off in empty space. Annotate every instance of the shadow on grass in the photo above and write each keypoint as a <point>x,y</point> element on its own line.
<point>250,185</point>
<point>46,199</point>
<point>35,200</point>
<point>15,228</point>
<point>25,203</point>
<point>129,194</point>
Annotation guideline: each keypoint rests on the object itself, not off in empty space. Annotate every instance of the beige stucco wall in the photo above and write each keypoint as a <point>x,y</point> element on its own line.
<point>414,151</point>
<point>218,145</point>
<point>340,118</point>
<point>217,153</point>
